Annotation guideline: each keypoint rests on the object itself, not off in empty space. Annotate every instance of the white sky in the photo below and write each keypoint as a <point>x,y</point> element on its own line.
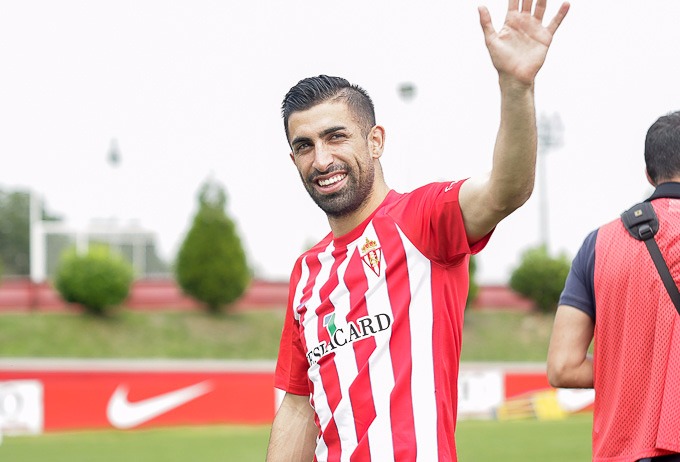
<point>192,88</point>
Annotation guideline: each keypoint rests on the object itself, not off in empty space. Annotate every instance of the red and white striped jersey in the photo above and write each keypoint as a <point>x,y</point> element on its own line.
<point>373,330</point>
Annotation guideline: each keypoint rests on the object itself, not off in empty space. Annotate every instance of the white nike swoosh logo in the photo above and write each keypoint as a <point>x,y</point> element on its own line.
<point>123,414</point>
<point>450,186</point>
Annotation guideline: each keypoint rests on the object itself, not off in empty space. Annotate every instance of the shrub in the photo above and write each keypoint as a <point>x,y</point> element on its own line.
<point>211,264</point>
<point>473,288</point>
<point>99,279</point>
<point>540,277</point>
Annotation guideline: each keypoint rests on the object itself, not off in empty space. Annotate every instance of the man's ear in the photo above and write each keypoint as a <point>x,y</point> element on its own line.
<point>292,157</point>
<point>376,141</point>
<point>649,178</point>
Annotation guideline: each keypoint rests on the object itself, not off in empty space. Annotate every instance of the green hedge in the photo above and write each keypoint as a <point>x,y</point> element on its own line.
<point>99,279</point>
<point>540,277</point>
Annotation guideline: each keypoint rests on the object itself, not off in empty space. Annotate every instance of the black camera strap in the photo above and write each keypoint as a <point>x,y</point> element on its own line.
<point>642,223</point>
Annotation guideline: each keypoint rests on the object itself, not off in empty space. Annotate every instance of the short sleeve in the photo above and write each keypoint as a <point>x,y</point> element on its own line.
<point>291,367</point>
<point>431,218</point>
<point>579,288</point>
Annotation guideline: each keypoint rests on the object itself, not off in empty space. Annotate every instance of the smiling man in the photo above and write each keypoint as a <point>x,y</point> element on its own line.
<point>371,343</point>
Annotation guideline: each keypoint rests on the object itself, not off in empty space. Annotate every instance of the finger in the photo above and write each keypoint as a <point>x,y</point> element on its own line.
<point>539,11</point>
<point>513,5</point>
<point>526,6</point>
<point>557,20</point>
<point>485,21</point>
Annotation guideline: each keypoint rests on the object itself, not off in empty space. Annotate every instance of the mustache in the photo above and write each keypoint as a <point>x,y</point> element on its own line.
<point>331,169</point>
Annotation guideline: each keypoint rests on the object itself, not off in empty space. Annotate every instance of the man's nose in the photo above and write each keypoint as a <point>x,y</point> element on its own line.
<point>323,158</point>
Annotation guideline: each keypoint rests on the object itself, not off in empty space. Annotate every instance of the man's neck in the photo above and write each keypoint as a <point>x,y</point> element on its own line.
<point>346,223</point>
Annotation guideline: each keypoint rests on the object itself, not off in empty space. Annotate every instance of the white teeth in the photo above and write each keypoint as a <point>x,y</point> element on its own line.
<point>331,180</point>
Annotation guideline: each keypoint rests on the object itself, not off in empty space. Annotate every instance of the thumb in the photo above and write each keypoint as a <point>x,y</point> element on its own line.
<point>485,21</point>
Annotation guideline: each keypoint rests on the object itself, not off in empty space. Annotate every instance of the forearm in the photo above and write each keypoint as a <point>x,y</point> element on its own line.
<point>485,201</point>
<point>293,435</point>
<point>514,158</point>
<point>517,51</point>
<point>569,364</point>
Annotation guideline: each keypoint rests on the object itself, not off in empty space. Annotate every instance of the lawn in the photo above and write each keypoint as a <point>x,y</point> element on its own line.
<point>142,334</point>
<point>478,441</point>
<point>499,335</point>
<point>506,335</point>
<point>201,444</point>
<point>525,440</point>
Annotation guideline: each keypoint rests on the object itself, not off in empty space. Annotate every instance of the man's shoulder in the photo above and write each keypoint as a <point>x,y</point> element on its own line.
<point>439,187</point>
<point>315,249</point>
<point>614,225</point>
<point>447,190</point>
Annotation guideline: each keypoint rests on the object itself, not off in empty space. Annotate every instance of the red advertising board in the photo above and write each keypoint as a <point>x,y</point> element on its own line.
<point>95,395</point>
<point>58,395</point>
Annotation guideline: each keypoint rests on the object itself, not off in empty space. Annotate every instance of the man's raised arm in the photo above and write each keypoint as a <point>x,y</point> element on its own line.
<point>517,51</point>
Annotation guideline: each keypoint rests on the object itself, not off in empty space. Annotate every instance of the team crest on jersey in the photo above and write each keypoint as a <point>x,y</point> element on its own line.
<point>371,254</point>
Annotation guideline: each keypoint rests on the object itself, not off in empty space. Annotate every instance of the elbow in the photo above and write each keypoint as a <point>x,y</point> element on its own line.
<point>554,378</point>
<point>507,203</point>
<point>507,199</point>
<point>557,374</point>
<point>522,194</point>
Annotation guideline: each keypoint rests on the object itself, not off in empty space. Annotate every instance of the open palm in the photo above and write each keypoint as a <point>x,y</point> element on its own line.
<point>519,48</point>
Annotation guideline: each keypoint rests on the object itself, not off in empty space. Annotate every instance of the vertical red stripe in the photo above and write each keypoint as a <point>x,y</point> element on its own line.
<point>327,368</point>
<point>331,437</point>
<point>314,267</point>
<point>448,305</point>
<point>361,391</point>
<point>401,401</point>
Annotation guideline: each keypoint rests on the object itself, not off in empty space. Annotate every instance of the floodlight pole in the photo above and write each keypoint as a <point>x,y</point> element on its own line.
<point>37,239</point>
<point>550,130</point>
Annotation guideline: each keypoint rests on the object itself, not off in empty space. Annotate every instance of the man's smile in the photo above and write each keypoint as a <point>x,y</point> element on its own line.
<point>332,180</point>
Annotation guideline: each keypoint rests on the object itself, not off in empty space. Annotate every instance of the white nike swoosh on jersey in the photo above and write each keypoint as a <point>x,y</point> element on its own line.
<point>450,186</point>
<point>123,414</point>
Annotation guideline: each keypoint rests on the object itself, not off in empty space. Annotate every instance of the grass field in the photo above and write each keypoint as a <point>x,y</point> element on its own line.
<point>500,335</point>
<point>199,444</point>
<point>142,334</point>
<point>506,335</point>
<point>525,440</point>
<point>478,441</point>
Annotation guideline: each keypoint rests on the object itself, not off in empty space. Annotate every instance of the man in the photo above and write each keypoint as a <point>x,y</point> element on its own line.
<point>371,342</point>
<point>614,294</point>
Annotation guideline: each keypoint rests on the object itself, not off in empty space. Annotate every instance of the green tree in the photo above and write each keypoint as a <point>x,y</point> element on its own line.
<point>211,264</point>
<point>14,231</point>
<point>15,239</point>
<point>541,277</point>
<point>99,279</point>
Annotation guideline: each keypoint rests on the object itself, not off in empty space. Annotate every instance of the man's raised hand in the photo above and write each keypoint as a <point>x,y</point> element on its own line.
<point>519,48</point>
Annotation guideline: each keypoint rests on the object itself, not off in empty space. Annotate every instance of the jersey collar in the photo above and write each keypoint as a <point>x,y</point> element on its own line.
<point>345,239</point>
<point>670,190</point>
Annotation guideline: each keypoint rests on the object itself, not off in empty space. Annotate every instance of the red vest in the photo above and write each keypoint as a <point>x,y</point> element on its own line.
<point>637,343</point>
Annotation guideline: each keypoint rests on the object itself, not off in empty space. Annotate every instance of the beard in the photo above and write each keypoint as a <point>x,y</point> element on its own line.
<point>350,198</point>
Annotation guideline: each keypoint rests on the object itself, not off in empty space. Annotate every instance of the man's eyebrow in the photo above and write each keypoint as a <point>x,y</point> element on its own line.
<point>326,132</point>
<point>300,139</point>
<point>330,130</point>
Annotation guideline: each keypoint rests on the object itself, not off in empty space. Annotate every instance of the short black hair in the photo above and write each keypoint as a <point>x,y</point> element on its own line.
<point>315,90</point>
<point>662,148</point>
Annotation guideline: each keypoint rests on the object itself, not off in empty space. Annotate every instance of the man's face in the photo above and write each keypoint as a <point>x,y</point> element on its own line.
<point>332,156</point>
